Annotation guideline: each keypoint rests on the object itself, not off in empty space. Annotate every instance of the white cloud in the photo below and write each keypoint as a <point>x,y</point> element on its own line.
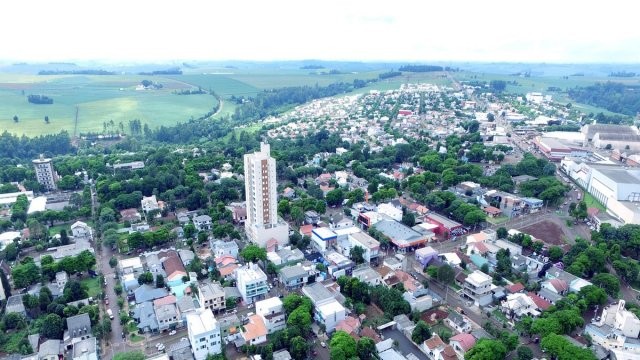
<point>490,30</point>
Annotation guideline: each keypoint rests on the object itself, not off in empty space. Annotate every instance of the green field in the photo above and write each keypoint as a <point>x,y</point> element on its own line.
<point>93,286</point>
<point>592,202</point>
<point>99,99</point>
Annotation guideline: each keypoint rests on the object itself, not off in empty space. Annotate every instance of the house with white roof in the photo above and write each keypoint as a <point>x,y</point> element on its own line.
<point>204,334</point>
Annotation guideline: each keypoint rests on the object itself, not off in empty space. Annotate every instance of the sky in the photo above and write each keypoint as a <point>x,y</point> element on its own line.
<point>373,30</point>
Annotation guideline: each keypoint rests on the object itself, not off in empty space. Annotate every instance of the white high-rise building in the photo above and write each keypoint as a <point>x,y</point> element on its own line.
<point>204,333</point>
<point>262,222</point>
<point>45,174</point>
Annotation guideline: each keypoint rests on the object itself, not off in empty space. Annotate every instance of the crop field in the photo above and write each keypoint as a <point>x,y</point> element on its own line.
<point>98,99</point>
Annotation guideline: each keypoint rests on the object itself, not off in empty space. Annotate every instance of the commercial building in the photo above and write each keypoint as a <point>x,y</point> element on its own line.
<point>251,282</point>
<point>295,276</point>
<point>556,150</point>
<point>445,225</point>
<point>204,334</point>
<point>370,245</point>
<point>401,235</point>
<point>323,238</point>
<point>45,173</point>
<point>477,287</point>
<point>262,221</point>
<point>616,187</point>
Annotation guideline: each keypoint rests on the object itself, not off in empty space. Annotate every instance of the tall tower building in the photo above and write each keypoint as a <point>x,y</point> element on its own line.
<point>45,174</point>
<point>263,223</point>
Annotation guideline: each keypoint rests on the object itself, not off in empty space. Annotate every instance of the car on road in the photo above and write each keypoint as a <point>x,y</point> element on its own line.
<point>323,344</point>
<point>106,301</point>
<point>158,345</point>
<point>172,332</point>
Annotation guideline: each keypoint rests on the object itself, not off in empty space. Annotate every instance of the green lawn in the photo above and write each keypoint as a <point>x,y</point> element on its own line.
<point>93,286</point>
<point>99,99</point>
<point>499,315</point>
<point>497,220</point>
<point>136,338</point>
<point>592,202</point>
<point>132,327</point>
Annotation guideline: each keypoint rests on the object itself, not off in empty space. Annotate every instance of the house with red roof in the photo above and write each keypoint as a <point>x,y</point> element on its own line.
<point>462,343</point>
<point>492,211</point>
<point>557,286</point>
<point>541,304</point>
<point>514,288</point>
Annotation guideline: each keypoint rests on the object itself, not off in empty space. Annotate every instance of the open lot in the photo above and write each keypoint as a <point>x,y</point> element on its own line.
<point>98,99</point>
<point>547,231</point>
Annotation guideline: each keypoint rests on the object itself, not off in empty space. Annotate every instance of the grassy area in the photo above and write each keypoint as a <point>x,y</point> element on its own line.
<point>497,220</point>
<point>136,338</point>
<point>442,330</point>
<point>499,315</point>
<point>98,99</point>
<point>593,202</point>
<point>93,286</point>
<point>132,327</point>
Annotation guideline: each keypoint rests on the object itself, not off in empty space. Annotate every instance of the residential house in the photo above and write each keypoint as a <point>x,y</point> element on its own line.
<point>221,248</point>
<point>557,286</point>
<point>78,326</point>
<point>130,266</point>
<point>519,305</point>
<point>239,214</point>
<point>173,267</point>
<point>202,222</point>
<point>86,349</point>
<point>295,276</point>
<point>50,350</point>
<point>425,255</point>
<point>287,255</point>
<point>366,274</point>
<point>226,265</point>
<point>61,279</point>
<point>327,310</point>
<point>392,263</point>
<point>340,222</point>
<point>80,229</point>
<point>15,305</point>
<point>255,331</point>
<point>186,305</point>
<point>370,245</point>
<point>186,256</point>
<point>251,282</point>
<point>419,300</point>
<point>212,296</point>
<point>289,193</point>
<point>131,215</point>
<point>436,349</point>
<point>229,327</point>
<point>311,217</point>
<point>149,293</point>
<point>477,287</point>
<point>204,334</point>
<point>166,312</point>
<point>282,355</point>
<point>350,325</point>
<point>461,343</point>
<point>550,296</point>
<point>541,304</point>
<point>272,313</point>
<point>458,322</point>
<point>149,203</point>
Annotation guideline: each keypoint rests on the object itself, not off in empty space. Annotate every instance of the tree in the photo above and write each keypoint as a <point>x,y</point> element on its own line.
<point>11,252</point>
<point>555,253</point>
<point>421,332</point>
<point>366,349</point>
<point>357,254</point>
<point>145,278</point>
<point>129,355</point>
<point>593,295</point>
<point>446,274</point>
<point>64,238</point>
<point>74,291</point>
<point>298,348</point>
<point>253,253</point>
<point>297,215</point>
<point>608,282</point>
<point>113,261</point>
<point>335,197</point>
<point>160,281</point>
<point>524,353</point>
<point>26,273</point>
<point>52,327</point>
<point>300,318</point>
<point>342,343</point>
<point>14,320</point>
<point>409,219</point>
<point>486,349</point>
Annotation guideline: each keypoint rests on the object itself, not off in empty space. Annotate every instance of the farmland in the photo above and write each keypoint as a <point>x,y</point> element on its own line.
<point>99,99</point>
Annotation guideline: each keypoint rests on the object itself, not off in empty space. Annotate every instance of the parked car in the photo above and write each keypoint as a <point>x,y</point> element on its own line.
<point>323,344</point>
<point>172,332</point>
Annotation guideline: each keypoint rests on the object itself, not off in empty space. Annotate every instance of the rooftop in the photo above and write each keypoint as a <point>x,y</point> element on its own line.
<point>478,277</point>
<point>201,321</point>
<point>400,234</point>
<point>254,329</point>
<point>365,240</point>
